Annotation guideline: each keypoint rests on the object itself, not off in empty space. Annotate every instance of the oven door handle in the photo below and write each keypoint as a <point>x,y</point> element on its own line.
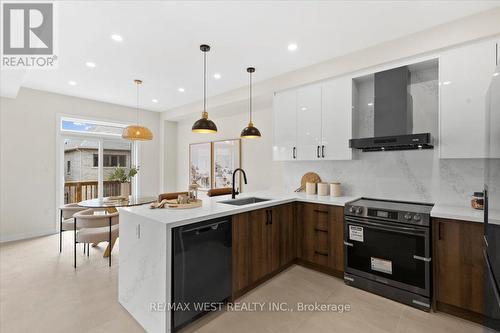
<point>426,259</point>
<point>406,230</point>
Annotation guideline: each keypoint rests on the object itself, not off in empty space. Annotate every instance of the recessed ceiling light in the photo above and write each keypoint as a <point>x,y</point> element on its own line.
<point>217,76</point>
<point>292,47</point>
<point>370,104</point>
<point>90,64</point>
<point>154,100</point>
<point>445,83</point>
<point>495,74</point>
<point>303,108</point>
<point>116,37</point>
<point>181,89</point>
<point>72,83</point>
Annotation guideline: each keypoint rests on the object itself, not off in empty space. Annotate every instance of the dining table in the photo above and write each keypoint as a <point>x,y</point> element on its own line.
<point>110,205</point>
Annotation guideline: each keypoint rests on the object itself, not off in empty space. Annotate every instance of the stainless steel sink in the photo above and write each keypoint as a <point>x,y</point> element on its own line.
<point>243,201</point>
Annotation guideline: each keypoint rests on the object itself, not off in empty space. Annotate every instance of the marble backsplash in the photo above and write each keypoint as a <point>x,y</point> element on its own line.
<point>398,175</point>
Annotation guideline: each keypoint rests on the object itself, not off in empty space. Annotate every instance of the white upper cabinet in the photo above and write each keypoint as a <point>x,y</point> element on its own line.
<point>309,122</point>
<point>336,119</point>
<point>493,118</point>
<point>464,75</point>
<point>285,126</point>
<point>314,122</point>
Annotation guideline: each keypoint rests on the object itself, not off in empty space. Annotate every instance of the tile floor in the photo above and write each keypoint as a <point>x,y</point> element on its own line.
<point>41,292</point>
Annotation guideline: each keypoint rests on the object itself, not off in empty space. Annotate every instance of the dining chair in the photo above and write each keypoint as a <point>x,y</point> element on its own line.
<point>214,192</point>
<point>90,227</point>
<point>66,222</point>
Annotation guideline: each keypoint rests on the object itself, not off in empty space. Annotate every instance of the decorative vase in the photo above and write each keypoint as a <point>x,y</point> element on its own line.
<point>125,190</point>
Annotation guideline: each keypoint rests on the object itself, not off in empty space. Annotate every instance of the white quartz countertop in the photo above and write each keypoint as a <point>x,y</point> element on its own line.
<point>212,208</point>
<point>457,213</point>
<point>463,213</point>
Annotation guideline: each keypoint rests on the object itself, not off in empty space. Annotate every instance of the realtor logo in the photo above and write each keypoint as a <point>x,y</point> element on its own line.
<point>28,35</point>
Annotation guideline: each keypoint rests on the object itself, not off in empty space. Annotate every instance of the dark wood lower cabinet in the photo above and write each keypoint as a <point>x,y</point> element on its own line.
<point>241,255</point>
<point>285,215</point>
<point>458,266</point>
<point>263,242</point>
<point>321,234</point>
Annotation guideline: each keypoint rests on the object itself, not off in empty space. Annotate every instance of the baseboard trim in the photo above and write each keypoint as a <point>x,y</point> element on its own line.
<point>237,294</point>
<point>320,268</point>
<point>459,312</point>
<point>24,236</point>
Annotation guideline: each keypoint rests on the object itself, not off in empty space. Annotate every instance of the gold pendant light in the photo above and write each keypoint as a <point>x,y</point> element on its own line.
<point>204,125</point>
<point>250,132</point>
<point>137,132</point>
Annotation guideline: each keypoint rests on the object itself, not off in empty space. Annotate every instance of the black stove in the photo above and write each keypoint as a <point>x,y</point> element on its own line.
<point>388,249</point>
<point>394,211</point>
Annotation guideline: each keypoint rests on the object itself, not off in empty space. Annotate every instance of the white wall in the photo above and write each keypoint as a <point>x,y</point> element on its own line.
<point>28,157</point>
<point>256,154</point>
<point>170,152</point>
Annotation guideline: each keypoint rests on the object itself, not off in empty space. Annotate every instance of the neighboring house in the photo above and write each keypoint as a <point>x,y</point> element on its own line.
<point>80,162</point>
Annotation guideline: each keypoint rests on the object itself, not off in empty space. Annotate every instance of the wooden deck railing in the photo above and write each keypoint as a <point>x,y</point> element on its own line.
<point>77,191</point>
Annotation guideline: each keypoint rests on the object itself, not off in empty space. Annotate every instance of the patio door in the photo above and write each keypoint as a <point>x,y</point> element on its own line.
<point>94,161</point>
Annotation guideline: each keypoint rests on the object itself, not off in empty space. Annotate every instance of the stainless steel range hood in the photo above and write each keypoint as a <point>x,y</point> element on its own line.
<point>393,115</point>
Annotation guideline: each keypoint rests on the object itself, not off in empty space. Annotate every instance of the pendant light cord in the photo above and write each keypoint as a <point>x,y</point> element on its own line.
<point>137,98</point>
<point>250,97</point>
<point>204,81</point>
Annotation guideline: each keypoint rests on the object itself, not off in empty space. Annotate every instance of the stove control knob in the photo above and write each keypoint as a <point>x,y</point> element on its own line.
<point>352,209</point>
<point>359,210</point>
<point>417,217</point>
<point>407,216</point>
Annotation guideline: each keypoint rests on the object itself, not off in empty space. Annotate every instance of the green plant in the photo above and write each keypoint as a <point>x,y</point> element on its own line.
<point>121,174</point>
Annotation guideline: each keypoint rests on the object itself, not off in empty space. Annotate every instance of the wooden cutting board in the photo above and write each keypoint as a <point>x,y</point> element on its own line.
<point>308,177</point>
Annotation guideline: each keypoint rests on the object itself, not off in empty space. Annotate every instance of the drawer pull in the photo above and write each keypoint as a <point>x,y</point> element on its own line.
<point>421,258</point>
<point>320,230</point>
<point>321,253</point>
<point>321,211</point>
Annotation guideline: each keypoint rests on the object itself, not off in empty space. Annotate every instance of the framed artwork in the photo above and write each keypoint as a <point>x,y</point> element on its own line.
<point>200,165</point>
<point>226,158</point>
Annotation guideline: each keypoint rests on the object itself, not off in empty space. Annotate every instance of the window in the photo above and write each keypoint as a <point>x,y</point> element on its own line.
<point>90,126</point>
<point>111,160</point>
<point>68,168</point>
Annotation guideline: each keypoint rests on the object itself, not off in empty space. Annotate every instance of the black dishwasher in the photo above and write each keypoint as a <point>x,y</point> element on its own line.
<point>202,268</point>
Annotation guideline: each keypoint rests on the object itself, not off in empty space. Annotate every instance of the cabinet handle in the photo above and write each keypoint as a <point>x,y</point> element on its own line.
<point>320,230</point>
<point>317,151</point>
<point>321,253</point>
<point>294,153</point>
<point>269,217</point>
<point>321,211</point>
<point>323,151</point>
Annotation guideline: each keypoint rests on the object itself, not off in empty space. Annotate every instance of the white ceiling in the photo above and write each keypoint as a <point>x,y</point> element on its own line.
<point>161,42</point>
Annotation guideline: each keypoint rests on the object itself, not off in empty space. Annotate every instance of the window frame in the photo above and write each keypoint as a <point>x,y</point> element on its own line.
<point>61,134</point>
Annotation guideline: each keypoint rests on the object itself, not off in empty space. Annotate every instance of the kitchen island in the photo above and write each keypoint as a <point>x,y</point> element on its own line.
<point>145,270</point>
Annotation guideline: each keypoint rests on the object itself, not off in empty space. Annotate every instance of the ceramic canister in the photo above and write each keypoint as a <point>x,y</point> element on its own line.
<point>310,188</point>
<point>323,189</point>
<point>335,190</point>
